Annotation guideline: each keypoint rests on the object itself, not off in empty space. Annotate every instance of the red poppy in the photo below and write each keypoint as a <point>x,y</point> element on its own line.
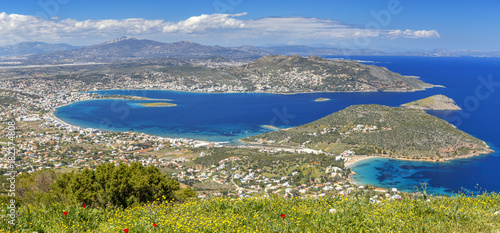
<point>126,230</point>
<point>154,224</point>
<point>65,213</point>
<point>84,205</point>
<point>283,215</point>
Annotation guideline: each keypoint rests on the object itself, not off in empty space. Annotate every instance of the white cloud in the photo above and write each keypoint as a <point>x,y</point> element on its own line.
<point>414,34</point>
<point>15,28</point>
<point>206,22</point>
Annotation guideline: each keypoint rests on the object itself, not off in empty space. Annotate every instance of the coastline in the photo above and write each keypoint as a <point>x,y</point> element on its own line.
<point>275,93</point>
<point>130,97</point>
<point>353,160</point>
<point>64,123</point>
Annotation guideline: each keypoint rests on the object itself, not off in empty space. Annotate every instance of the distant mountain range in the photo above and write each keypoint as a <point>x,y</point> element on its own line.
<point>127,48</point>
<point>26,48</point>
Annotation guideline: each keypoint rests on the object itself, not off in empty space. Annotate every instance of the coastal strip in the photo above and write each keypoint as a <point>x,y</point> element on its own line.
<point>130,97</point>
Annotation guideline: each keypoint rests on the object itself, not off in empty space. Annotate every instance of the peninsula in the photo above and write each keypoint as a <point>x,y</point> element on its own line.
<point>435,102</point>
<point>380,130</point>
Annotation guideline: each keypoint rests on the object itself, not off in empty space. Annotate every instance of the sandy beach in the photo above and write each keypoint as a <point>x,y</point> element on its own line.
<point>355,159</point>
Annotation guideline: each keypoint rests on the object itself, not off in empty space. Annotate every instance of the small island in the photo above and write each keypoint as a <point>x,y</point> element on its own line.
<point>158,104</point>
<point>435,102</point>
<point>321,99</point>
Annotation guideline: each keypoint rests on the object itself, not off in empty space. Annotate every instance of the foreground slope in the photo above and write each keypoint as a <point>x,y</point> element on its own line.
<point>377,129</point>
<point>333,214</point>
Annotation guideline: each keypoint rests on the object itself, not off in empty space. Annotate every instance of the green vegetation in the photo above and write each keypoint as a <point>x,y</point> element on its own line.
<point>435,102</point>
<point>330,214</point>
<point>158,104</point>
<point>106,186</point>
<point>377,129</point>
<point>274,165</point>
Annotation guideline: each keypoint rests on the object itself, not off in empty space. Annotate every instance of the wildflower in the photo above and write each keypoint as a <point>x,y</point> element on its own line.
<point>154,224</point>
<point>283,215</point>
<point>65,213</point>
<point>332,211</point>
<point>497,213</point>
<point>84,205</point>
<point>126,230</point>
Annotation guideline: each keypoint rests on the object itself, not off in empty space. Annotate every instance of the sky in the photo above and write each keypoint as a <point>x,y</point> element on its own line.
<point>416,25</point>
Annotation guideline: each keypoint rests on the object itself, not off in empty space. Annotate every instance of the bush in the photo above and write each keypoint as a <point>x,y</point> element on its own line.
<point>109,185</point>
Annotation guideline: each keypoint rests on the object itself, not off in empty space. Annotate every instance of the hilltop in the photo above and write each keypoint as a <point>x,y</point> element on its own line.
<point>435,102</point>
<point>380,130</point>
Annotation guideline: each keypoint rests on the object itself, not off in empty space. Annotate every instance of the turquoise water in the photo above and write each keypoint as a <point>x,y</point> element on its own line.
<point>229,117</point>
<point>216,117</point>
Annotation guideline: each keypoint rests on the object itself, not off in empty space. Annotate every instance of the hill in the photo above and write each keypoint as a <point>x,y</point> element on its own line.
<point>315,74</point>
<point>435,102</point>
<point>380,130</point>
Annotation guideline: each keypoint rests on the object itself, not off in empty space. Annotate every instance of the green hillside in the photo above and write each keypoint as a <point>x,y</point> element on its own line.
<point>377,129</point>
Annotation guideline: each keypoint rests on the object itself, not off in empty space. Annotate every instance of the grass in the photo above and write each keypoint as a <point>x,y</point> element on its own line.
<point>441,214</point>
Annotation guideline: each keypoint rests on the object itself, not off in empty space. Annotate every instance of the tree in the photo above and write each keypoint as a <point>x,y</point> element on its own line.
<point>185,194</point>
<point>35,187</point>
<point>116,186</point>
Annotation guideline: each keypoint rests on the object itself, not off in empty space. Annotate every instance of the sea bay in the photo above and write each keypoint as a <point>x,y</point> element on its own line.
<point>229,117</point>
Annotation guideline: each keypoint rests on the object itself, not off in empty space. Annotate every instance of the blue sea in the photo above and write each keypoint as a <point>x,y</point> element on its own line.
<point>474,83</point>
